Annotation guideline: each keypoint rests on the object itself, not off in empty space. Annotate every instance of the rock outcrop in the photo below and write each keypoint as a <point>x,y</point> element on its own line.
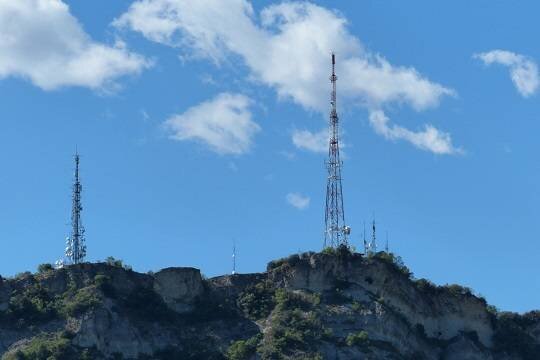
<point>333,305</point>
<point>179,287</point>
<point>441,314</point>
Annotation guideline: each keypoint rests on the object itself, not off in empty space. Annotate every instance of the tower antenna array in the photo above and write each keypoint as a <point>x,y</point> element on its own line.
<point>76,247</point>
<point>336,232</point>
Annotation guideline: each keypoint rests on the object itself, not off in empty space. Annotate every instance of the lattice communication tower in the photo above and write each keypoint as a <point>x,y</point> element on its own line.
<point>336,232</point>
<point>76,243</point>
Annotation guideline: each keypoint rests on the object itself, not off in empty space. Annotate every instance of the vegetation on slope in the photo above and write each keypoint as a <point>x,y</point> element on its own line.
<point>295,328</point>
<point>50,346</point>
<point>296,323</point>
<point>34,305</point>
<point>511,336</point>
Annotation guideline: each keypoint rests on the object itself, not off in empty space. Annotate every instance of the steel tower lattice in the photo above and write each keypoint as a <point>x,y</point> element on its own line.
<point>336,232</point>
<point>76,247</point>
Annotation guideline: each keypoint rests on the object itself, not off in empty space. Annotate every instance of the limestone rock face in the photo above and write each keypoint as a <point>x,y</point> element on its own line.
<point>179,287</point>
<point>442,315</point>
<point>337,305</point>
<point>111,333</point>
<point>464,349</point>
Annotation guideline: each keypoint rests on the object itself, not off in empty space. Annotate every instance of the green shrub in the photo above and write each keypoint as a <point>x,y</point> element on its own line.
<point>80,302</point>
<point>492,309</point>
<point>395,261</point>
<point>426,286</point>
<point>43,347</point>
<point>288,300</point>
<point>257,301</point>
<point>111,261</point>
<point>101,280</point>
<point>32,306</point>
<point>284,263</point>
<point>22,275</point>
<point>511,337</point>
<point>356,306</point>
<point>342,251</point>
<point>293,331</point>
<point>327,334</point>
<point>43,268</point>
<point>357,339</point>
<point>296,328</point>
<point>274,264</point>
<point>458,290</point>
<point>530,318</point>
<point>329,250</point>
<point>243,349</point>
<point>103,283</point>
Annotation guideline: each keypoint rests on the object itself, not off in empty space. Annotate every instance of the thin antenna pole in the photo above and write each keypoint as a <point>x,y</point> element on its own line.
<point>234,258</point>
<point>336,232</point>
<point>374,238</point>
<point>365,240</point>
<point>386,247</point>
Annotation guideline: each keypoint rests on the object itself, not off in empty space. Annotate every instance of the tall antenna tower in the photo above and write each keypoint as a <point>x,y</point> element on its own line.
<point>336,232</point>
<point>76,247</point>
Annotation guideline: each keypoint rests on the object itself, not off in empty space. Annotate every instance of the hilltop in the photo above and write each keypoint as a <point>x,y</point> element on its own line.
<point>330,305</point>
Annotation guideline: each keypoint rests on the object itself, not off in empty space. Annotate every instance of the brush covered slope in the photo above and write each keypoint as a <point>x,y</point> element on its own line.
<point>330,305</point>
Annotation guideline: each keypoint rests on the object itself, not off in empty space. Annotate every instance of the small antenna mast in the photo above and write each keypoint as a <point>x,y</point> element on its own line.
<point>373,238</point>
<point>234,258</point>
<point>365,240</point>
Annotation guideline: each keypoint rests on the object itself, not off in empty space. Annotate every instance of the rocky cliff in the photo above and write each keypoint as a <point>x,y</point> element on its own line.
<point>331,305</point>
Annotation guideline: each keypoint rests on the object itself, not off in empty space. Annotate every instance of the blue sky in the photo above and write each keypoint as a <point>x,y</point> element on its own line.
<point>200,123</point>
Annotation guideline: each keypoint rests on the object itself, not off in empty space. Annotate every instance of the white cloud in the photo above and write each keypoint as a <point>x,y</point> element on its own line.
<point>307,140</point>
<point>429,139</point>
<point>523,70</point>
<point>42,42</point>
<point>288,50</point>
<point>223,123</point>
<point>298,200</point>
